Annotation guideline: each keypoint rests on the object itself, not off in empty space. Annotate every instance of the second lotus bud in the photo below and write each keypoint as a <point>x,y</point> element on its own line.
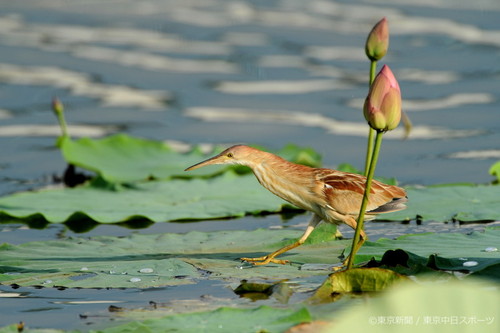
<point>382,107</point>
<point>378,41</point>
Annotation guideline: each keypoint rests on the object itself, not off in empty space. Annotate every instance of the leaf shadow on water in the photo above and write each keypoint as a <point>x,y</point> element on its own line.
<point>20,270</point>
<point>228,256</point>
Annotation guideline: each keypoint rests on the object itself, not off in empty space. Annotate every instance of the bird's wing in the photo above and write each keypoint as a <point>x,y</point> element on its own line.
<point>343,192</point>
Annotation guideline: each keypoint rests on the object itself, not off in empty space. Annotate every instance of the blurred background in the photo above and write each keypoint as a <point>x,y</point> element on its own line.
<point>257,72</point>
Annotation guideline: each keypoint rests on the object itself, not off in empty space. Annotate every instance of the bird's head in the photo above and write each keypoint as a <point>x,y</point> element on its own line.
<point>238,154</point>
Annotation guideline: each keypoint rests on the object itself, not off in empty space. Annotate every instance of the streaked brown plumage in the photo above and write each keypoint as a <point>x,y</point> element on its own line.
<point>333,196</point>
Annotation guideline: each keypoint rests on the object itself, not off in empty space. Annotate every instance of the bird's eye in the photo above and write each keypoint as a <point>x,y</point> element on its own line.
<point>230,155</point>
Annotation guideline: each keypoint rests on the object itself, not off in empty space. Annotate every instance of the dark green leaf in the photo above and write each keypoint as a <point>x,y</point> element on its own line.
<point>230,320</point>
<point>495,170</point>
<point>445,251</point>
<point>355,280</point>
<point>121,158</point>
<point>228,195</point>
<point>158,260</point>
<point>445,203</point>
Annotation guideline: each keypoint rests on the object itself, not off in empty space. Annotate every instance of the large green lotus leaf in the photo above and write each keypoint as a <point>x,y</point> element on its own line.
<point>495,170</point>
<point>230,320</point>
<point>121,158</point>
<point>356,280</point>
<point>457,306</point>
<point>165,259</point>
<point>447,251</point>
<point>227,195</point>
<point>159,201</point>
<point>445,203</point>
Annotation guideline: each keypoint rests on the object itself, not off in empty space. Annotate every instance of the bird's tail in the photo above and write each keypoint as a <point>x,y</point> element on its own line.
<point>392,206</point>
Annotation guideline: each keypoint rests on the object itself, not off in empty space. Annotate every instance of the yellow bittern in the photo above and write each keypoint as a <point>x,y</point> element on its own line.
<point>332,196</point>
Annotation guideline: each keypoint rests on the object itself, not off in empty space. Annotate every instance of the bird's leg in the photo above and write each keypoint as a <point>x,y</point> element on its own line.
<point>350,221</point>
<point>271,257</point>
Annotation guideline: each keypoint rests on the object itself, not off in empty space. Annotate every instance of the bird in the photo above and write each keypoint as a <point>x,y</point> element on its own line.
<point>332,196</point>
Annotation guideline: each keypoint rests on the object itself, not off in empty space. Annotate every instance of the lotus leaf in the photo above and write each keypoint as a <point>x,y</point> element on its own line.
<point>495,170</point>
<point>476,252</point>
<point>225,196</point>
<point>356,280</point>
<point>121,158</point>
<point>261,319</point>
<point>162,259</point>
<point>447,203</point>
<point>159,201</point>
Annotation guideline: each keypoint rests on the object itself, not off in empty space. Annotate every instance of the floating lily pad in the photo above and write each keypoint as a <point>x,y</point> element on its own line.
<point>356,280</point>
<point>261,319</point>
<point>224,196</point>
<point>495,170</point>
<point>159,201</point>
<point>166,259</point>
<point>121,158</point>
<point>448,202</point>
<point>255,291</point>
<point>444,251</point>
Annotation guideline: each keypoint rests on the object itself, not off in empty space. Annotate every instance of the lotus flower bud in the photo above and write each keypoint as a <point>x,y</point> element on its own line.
<point>57,106</point>
<point>378,41</point>
<point>382,107</point>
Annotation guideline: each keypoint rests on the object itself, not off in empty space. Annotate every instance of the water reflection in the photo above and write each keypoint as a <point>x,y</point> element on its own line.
<point>328,124</point>
<point>280,87</point>
<point>447,102</point>
<point>55,131</point>
<point>83,84</point>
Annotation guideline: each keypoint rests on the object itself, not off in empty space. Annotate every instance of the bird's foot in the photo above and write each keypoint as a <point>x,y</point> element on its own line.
<point>264,260</point>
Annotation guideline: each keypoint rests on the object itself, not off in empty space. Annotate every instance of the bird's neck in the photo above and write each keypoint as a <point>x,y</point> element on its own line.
<point>292,182</point>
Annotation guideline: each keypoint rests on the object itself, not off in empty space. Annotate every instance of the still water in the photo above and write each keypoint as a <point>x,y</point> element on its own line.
<point>255,72</point>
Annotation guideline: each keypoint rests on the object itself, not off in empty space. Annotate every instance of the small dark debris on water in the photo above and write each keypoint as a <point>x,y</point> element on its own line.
<point>204,272</point>
<point>71,178</point>
<point>82,276</point>
<point>114,308</point>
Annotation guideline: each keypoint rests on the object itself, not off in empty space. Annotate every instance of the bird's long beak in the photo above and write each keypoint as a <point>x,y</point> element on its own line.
<point>218,159</point>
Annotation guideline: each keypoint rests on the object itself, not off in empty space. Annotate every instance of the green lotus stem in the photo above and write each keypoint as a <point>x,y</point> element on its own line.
<point>369,150</point>
<point>371,131</point>
<point>361,218</point>
<point>62,123</point>
<point>58,108</point>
